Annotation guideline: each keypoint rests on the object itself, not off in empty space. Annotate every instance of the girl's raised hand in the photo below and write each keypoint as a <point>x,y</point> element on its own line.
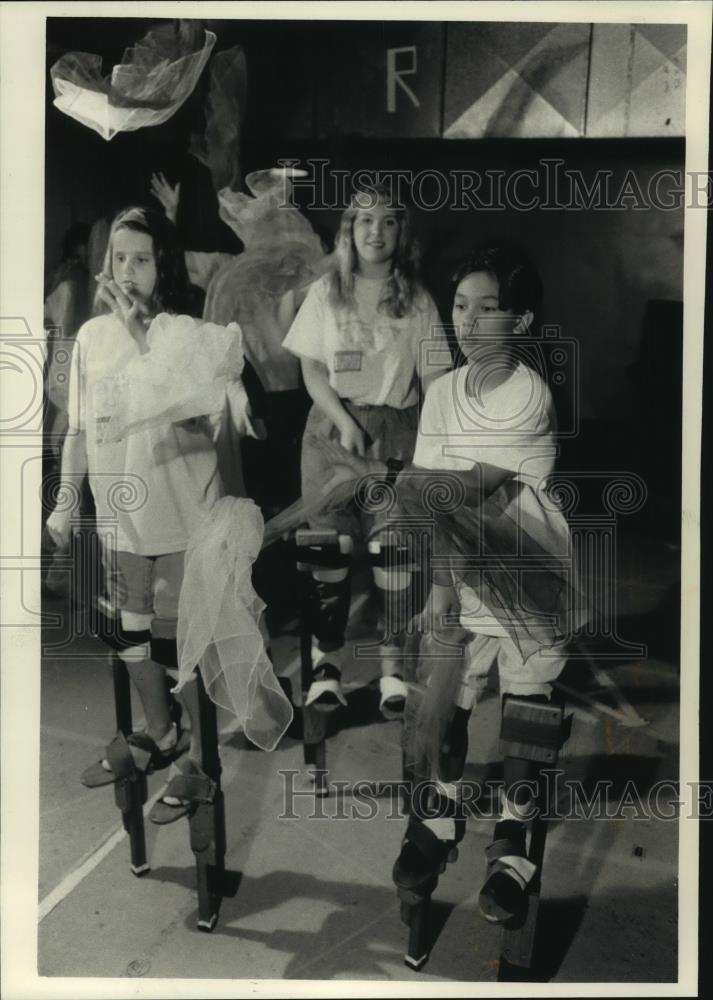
<point>168,196</point>
<point>131,312</point>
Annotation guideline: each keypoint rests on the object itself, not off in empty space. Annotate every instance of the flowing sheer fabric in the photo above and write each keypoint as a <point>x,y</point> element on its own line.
<point>433,680</point>
<point>219,147</point>
<point>218,622</point>
<point>491,546</point>
<point>151,82</point>
<point>186,373</point>
<point>529,590</point>
<point>282,254</point>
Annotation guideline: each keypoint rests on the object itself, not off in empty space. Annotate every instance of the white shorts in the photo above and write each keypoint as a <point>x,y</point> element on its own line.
<point>517,676</point>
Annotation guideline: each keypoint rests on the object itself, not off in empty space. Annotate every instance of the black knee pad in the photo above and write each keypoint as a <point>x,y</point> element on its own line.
<point>328,610</point>
<point>110,631</point>
<point>164,652</point>
<point>326,603</point>
<point>316,550</point>
<point>390,555</point>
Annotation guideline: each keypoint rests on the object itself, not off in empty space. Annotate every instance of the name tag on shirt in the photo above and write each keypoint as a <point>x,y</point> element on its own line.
<point>107,393</point>
<point>347,361</point>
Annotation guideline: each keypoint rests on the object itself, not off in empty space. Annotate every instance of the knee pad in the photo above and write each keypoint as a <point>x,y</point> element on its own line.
<point>392,555</point>
<point>328,611</point>
<point>164,652</point>
<point>318,551</point>
<point>137,647</point>
<point>327,556</point>
<point>394,579</point>
<point>117,636</point>
<point>532,728</point>
<point>135,621</point>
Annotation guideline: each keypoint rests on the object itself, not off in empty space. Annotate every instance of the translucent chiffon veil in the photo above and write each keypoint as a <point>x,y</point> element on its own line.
<point>219,622</point>
<point>282,254</point>
<point>147,87</point>
<point>185,374</point>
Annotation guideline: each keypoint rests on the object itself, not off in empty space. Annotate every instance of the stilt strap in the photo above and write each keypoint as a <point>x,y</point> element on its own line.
<point>192,788</point>
<point>532,730</point>
<point>426,841</point>
<point>505,847</point>
<point>394,555</point>
<point>123,762</point>
<point>325,556</point>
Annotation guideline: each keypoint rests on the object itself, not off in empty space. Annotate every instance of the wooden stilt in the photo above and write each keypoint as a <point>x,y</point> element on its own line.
<point>207,823</point>
<point>130,793</point>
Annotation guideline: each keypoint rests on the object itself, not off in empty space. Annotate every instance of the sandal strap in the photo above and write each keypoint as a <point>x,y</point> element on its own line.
<point>191,787</point>
<point>145,750</point>
<point>391,687</point>
<point>426,841</point>
<point>320,687</point>
<point>121,760</point>
<point>514,865</point>
<point>504,847</point>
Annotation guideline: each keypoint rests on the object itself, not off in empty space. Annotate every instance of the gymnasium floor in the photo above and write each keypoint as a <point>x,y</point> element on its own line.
<point>314,898</point>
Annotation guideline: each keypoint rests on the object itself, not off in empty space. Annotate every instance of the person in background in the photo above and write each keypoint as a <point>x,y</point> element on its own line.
<point>66,308</point>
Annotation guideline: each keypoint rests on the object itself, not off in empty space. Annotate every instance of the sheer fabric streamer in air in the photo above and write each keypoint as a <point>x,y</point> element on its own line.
<point>149,85</point>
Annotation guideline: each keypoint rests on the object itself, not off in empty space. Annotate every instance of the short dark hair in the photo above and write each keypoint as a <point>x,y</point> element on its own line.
<point>519,284</point>
<point>172,289</point>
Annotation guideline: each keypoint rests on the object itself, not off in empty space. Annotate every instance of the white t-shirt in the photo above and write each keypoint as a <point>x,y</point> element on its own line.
<point>152,488</point>
<point>372,358</point>
<point>510,426</point>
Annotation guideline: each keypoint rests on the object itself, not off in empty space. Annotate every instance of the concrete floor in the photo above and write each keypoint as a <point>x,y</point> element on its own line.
<point>315,898</point>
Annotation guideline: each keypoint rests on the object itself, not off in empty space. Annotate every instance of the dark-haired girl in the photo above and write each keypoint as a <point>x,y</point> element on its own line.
<point>510,594</point>
<point>366,334</point>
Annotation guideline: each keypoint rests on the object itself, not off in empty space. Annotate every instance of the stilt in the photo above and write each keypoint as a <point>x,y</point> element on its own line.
<point>130,793</point>
<point>313,550</point>
<point>207,823</point>
<point>536,733</point>
<point>314,723</point>
<point>415,909</point>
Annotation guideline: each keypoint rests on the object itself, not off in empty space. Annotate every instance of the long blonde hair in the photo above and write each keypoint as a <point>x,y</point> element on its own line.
<point>403,281</point>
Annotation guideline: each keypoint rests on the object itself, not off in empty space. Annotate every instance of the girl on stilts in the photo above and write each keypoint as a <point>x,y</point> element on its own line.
<point>130,366</point>
<point>364,334</point>
<point>488,429</point>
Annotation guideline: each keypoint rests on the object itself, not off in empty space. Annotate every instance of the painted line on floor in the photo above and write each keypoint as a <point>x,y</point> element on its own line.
<point>70,882</point>
<point>97,855</point>
<point>75,877</point>
<point>87,865</point>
